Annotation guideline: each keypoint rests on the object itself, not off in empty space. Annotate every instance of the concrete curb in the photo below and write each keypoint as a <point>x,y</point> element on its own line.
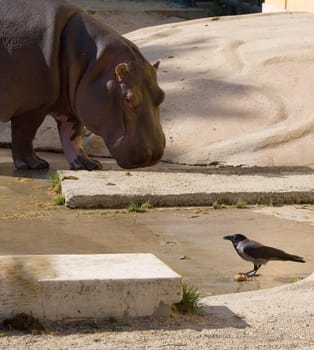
<point>292,300</point>
<point>189,13</point>
<point>98,286</point>
<point>117,189</point>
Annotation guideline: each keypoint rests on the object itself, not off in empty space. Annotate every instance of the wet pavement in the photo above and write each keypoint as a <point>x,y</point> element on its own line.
<point>189,240</point>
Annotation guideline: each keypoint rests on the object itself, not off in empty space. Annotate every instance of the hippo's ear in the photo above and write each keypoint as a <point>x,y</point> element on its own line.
<point>156,65</point>
<point>121,71</point>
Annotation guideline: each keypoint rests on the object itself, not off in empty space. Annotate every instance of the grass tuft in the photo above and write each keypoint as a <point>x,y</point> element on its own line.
<point>55,187</point>
<point>270,202</point>
<point>139,207</point>
<point>241,204</point>
<point>295,279</point>
<point>59,199</point>
<point>190,303</point>
<point>55,181</point>
<point>218,205</point>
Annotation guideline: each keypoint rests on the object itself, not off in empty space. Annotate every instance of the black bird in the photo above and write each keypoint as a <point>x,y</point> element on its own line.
<point>258,253</point>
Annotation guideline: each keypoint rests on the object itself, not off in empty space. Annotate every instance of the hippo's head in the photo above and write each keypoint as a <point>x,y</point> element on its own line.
<point>126,114</point>
<point>137,138</point>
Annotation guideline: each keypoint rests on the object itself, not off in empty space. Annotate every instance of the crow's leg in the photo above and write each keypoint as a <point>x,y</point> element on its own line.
<point>254,271</point>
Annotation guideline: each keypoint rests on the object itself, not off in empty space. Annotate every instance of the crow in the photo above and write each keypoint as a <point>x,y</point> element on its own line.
<point>258,253</point>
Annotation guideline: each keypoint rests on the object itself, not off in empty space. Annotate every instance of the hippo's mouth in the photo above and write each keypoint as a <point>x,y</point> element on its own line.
<point>120,135</point>
<point>132,148</point>
<point>131,155</point>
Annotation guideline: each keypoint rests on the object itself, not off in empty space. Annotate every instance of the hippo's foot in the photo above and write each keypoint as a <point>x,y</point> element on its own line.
<point>30,162</point>
<point>70,132</point>
<point>81,163</point>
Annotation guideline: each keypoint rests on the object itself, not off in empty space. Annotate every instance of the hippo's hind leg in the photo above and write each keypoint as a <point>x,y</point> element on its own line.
<point>70,131</point>
<point>23,128</point>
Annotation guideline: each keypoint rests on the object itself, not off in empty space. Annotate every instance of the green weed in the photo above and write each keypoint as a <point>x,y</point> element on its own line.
<point>190,303</point>
<point>241,204</point>
<point>139,207</point>
<point>59,199</point>
<point>218,205</point>
<point>270,202</point>
<point>55,181</point>
<point>295,279</point>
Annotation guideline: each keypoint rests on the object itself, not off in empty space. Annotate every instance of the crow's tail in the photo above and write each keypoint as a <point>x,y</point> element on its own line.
<point>277,254</point>
<point>294,258</point>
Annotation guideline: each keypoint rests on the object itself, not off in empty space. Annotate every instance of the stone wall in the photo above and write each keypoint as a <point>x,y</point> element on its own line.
<point>289,5</point>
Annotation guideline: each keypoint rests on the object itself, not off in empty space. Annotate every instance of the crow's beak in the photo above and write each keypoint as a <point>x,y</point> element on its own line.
<point>229,238</point>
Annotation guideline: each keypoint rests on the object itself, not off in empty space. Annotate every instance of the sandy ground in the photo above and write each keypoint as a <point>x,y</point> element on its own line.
<point>281,318</point>
<point>238,89</point>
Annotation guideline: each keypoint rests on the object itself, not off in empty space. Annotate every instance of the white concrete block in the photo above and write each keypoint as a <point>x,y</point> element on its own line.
<point>117,189</point>
<point>58,287</point>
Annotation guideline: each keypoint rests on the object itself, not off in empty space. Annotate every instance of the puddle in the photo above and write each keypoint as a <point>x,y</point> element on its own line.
<point>188,240</point>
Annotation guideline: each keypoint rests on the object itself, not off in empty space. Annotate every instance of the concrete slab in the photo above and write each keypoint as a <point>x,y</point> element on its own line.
<point>116,189</point>
<point>187,13</point>
<point>58,287</point>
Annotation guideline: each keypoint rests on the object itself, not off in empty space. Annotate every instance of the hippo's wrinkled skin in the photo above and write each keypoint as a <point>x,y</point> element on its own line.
<point>56,59</point>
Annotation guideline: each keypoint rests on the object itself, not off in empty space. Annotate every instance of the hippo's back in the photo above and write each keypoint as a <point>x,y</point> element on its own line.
<point>30,32</point>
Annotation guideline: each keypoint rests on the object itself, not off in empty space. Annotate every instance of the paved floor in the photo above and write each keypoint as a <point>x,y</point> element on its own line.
<point>189,240</point>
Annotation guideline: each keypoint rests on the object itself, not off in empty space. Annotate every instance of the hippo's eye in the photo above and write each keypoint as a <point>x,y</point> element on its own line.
<point>131,100</point>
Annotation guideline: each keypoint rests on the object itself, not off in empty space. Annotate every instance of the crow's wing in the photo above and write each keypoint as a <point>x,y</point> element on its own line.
<point>261,252</point>
<point>269,253</point>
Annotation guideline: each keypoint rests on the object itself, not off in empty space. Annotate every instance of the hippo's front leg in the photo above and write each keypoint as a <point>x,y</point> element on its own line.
<point>70,132</point>
<point>23,128</point>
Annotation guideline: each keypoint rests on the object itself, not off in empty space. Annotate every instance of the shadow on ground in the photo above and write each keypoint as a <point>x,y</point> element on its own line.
<point>213,317</point>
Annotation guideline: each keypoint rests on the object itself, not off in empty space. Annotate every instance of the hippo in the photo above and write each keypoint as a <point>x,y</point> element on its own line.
<point>56,59</point>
